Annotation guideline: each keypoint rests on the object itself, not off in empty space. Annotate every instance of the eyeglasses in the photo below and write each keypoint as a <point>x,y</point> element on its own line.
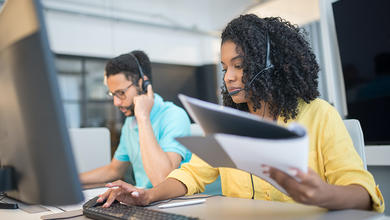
<point>121,93</point>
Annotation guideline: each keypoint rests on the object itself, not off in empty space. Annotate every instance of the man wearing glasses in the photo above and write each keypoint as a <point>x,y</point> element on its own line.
<point>147,136</point>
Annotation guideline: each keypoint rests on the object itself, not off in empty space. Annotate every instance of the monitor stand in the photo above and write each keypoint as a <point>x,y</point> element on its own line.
<point>7,183</point>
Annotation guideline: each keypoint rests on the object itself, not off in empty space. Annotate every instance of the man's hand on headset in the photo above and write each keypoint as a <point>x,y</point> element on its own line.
<point>143,104</point>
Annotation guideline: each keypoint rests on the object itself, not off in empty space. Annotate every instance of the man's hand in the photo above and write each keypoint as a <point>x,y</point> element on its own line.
<point>311,189</point>
<point>125,193</point>
<point>143,104</point>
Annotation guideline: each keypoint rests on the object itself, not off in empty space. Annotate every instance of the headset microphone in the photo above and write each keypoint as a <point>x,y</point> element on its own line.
<point>268,66</point>
<point>235,92</point>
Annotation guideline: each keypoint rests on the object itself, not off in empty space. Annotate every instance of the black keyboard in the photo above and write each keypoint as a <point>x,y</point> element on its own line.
<point>118,211</point>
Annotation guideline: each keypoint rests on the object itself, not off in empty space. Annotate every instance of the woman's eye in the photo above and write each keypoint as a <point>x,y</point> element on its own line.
<point>238,66</point>
<point>224,70</point>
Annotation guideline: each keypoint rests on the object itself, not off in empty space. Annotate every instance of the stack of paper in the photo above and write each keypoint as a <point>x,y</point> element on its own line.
<point>241,140</point>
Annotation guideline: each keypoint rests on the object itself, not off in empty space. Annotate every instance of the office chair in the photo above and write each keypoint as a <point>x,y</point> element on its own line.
<point>196,130</point>
<point>356,133</point>
<point>87,141</point>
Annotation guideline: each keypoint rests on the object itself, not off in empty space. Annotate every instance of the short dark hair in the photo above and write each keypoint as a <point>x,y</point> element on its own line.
<point>127,65</point>
<point>295,72</point>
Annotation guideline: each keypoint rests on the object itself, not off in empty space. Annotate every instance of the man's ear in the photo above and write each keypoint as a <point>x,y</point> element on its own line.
<point>105,79</point>
<point>140,81</point>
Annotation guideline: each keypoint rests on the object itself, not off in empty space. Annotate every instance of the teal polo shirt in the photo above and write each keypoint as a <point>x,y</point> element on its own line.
<point>168,121</point>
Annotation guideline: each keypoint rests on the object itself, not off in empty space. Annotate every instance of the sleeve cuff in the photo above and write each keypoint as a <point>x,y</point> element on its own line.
<point>378,206</point>
<point>377,200</point>
<point>175,150</point>
<point>121,158</point>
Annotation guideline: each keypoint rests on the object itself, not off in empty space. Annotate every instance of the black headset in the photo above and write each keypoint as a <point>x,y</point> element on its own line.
<point>145,83</point>
<point>268,65</point>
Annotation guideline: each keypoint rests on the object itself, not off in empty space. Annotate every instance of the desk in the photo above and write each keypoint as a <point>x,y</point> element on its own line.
<point>11,214</point>
<point>234,208</point>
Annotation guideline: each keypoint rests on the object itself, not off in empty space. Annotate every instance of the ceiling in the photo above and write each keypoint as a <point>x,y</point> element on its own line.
<point>201,15</point>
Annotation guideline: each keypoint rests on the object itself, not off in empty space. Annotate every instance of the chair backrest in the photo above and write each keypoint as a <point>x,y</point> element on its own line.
<point>91,147</point>
<point>356,133</point>
<point>196,130</point>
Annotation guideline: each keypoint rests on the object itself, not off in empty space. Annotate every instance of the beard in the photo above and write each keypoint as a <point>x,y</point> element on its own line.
<point>128,108</point>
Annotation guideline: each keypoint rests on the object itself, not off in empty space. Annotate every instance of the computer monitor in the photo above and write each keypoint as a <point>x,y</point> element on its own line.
<point>363,35</point>
<point>33,136</point>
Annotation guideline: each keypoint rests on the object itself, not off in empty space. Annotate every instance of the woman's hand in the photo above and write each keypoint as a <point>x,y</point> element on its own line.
<point>311,189</point>
<point>125,193</point>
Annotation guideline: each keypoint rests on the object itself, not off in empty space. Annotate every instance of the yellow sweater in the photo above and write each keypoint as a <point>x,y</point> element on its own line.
<point>332,156</point>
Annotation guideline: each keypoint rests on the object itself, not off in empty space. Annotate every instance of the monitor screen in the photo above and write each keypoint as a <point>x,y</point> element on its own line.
<point>34,140</point>
<point>195,81</point>
<point>363,35</point>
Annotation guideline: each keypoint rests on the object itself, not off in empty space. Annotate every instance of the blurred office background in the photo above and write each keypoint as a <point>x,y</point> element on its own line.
<point>182,39</point>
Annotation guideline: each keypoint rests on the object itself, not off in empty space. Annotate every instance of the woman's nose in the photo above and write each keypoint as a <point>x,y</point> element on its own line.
<point>229,76</point>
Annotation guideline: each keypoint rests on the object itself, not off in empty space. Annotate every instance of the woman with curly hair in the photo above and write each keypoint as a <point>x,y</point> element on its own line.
<point>270,71</point>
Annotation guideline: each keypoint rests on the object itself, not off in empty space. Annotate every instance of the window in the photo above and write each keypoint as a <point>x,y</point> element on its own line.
<point>84,95</point>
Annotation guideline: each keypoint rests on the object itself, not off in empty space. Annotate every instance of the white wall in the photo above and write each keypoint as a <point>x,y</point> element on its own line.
<point>172,31</point>
<point>331,57</point>
<point>80,35</point>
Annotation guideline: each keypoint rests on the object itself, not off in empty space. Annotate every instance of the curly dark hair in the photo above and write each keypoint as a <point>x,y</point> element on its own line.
<point>295,72</point>
<point>127,65</point>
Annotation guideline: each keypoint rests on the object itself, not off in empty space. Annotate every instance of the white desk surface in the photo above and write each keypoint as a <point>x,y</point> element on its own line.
<point>23,211</point>
<point>229,208</point>
<point>235,208</point>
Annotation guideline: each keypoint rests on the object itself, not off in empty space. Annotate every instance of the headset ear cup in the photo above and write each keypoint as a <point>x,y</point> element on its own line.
<point>145,85</point>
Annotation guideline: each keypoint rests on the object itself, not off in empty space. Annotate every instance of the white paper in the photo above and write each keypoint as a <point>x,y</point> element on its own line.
<point>247,140</point>
<point>88,194</point>
<point>250,153</point>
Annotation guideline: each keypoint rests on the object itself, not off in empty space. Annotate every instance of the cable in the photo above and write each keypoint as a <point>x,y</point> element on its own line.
<point>253,187</point>
<point>61,209</point>
<point>3,195</point>
<point>6,205</point>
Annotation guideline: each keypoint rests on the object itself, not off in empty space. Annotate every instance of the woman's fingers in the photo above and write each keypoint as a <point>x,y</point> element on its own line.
<point>111,198</point>
<point>104,196</point>
<point>121,184</point>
